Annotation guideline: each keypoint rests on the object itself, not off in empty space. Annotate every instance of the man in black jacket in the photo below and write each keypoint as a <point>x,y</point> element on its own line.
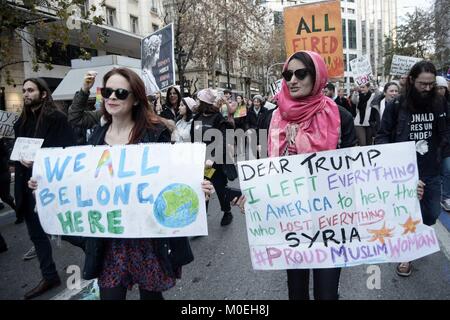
<point>419,115</point>
<point>39,119</point>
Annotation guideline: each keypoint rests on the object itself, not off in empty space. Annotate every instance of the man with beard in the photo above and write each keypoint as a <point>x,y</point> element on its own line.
<point>39,119</point>
<point>419,115</point>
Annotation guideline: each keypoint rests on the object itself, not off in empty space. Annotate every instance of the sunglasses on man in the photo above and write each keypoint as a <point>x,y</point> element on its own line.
<point>300,74</point>
<point>121,94</point>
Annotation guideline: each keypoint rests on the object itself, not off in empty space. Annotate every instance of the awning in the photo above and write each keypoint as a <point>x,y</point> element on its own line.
<point>73,80</point>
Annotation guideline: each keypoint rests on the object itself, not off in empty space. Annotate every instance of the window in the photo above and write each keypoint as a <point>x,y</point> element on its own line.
<point>154,8</point>
<point>85,8</point>
<point>57,54</point>
<point>155,27</point>
<point>134,24</point>
<point>344,33</point>
<point>350,0</point>
<point>110,16</point>
<point>352,11</point>
<point>352,34</point>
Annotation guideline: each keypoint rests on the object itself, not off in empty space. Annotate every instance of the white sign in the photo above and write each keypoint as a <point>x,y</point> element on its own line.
<point>337,208</point>
<point>401,65</point>
<point>26,148</point>
<point>7,120</point>
<point>362,70</point>
<point>269,105</point>
<point>276,87</point>
<point>133,191</point>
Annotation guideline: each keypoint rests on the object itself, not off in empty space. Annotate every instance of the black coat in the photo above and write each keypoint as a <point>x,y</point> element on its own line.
<point>172,252</point>
<point>56,132</point>
<point>343,102</point>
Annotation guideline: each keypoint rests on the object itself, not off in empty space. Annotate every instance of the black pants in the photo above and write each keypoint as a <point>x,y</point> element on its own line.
<point>220,181</point>
<point>39,238</point>
<point>326,284</point>
<point>5,194</point>
<point>120,293</point>
<point>2,242</point>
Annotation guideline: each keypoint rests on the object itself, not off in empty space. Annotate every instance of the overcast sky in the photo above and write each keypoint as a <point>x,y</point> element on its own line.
<point>408,6</point>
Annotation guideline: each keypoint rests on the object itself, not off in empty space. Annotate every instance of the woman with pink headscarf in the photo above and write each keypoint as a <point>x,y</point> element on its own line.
<point>307,121</point>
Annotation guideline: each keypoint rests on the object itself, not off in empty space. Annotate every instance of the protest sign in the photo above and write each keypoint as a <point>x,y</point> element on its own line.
<point>402,64</point>
<point>316,27</point>
<point>26,148</point>
<point>158,60</point>
<point>241,111</point>
<point>132,191</point>
<point>362,70</point>
<point>7,120</point>
<point>98,98</point>
<point>337,208</point>
<point>275,87</point>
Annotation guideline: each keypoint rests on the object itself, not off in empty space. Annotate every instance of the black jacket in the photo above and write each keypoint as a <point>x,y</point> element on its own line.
<point>172,252</point>
<point>347,137</point>
<point>167,113</point>
<point>343,102</point>
<point>56,132</point>
<point>396,126</point>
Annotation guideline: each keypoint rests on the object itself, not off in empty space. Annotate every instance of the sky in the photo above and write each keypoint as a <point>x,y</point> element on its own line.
<point>408,6</point>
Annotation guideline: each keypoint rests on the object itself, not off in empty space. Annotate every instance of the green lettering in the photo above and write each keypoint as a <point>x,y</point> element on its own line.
<point>66,222</point>
<point>77,221</point>
<point>303,26</point>
<point>114,222</point>
<point>94,218</point>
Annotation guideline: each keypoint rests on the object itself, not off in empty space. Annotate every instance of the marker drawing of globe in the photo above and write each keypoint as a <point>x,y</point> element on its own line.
<point>176,206</point>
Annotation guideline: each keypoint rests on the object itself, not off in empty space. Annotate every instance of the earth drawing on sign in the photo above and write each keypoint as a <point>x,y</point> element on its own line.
<point>176,206</point>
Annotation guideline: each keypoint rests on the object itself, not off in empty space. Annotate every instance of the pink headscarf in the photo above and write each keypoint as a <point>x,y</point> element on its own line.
<point>305,125</point>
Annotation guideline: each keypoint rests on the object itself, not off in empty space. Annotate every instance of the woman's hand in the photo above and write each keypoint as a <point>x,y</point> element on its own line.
<point>32,184</point>
<point>89,80</point>
<point>26,163</point>
<point>207,188</point>
<point>420,189</point>
<point>240,202</point>
<point>209,164</point>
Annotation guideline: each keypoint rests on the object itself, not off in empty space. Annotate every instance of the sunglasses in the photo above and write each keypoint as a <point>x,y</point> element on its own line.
<point>121,94</point>
<point>300,74</point>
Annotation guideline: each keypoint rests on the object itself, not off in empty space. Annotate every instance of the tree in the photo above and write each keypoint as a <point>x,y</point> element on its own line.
<point>424,34</point>
<point>205,30</point>
<point>27,20</point>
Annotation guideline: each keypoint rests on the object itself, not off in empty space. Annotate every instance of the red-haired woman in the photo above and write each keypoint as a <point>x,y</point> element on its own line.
<point>121,263</point>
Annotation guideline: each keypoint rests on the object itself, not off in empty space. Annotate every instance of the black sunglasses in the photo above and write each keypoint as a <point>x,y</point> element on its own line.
<point>300,74</point>
<point>121,94</point>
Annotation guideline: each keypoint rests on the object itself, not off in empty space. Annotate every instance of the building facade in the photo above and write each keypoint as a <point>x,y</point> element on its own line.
<point>126,23</point>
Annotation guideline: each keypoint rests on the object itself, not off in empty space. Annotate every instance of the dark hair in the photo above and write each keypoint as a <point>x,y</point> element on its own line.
<point>330,86</point>
<point>48,106</point>
<point>416,70</point>
<point>308,62</point>
<point>189,113</point>
<point>142,114</point>
<point>227,91</point>
<point>205,107</point>
<point>387,85</point>
<point>168,100</point>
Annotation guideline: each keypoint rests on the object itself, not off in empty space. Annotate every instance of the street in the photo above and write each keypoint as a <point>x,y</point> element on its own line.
<point>222,269</point>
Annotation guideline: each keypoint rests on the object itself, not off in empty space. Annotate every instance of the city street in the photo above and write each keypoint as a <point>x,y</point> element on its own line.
<point>222,269</point>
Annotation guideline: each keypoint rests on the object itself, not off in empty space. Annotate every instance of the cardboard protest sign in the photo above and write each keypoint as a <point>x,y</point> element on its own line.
<point>7,120</point>
<point>337,208</point>
<point>26,148</point>
<point>316,27</point>
<point>362,70</point>
<point>132,191</point>
<point>402,64</point>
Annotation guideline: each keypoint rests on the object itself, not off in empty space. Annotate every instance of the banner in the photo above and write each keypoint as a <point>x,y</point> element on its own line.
<point>362,70</point>
<point>7,120</point>
<point>316,27</point>
<point>337,208</point>
<point>26,149</point>
<point>133,191</point>
<point>402,64</point>
<point>158,60</point>
<point>98,98</point>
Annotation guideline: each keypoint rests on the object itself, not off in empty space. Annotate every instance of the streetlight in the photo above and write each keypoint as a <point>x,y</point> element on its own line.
<point>268,72</point>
